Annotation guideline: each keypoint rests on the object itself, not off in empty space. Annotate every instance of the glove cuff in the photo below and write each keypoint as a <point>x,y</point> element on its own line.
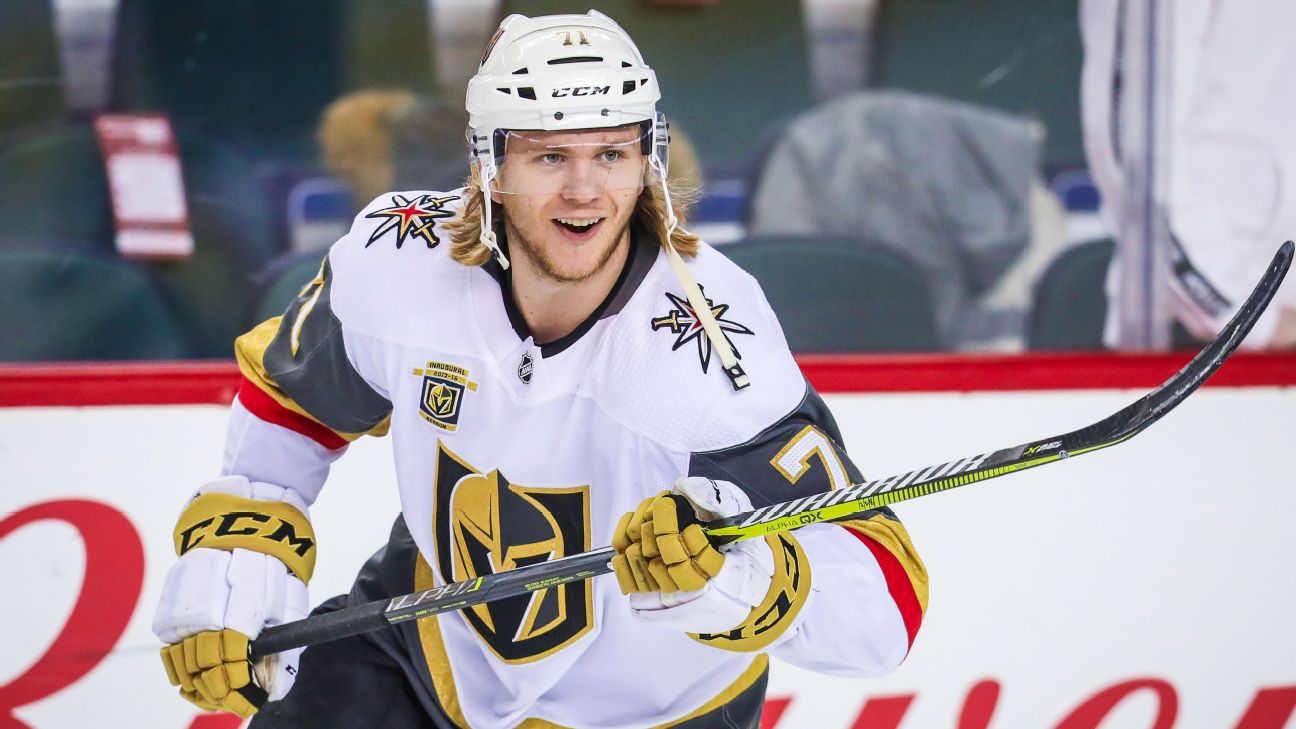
<point>220,520</point>
<point>789,591</point>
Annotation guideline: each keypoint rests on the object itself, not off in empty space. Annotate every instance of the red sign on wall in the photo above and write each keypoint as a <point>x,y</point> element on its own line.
<point>146,185</point>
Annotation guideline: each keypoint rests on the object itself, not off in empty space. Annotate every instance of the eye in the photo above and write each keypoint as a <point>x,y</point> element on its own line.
<point>611,155</point>
<point>551,158</point>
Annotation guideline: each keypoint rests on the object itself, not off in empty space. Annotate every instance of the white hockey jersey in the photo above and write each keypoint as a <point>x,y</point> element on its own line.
<point>510,452</point>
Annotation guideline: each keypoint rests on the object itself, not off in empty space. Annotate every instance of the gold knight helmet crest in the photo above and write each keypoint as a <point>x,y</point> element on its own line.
<point>484,524</point>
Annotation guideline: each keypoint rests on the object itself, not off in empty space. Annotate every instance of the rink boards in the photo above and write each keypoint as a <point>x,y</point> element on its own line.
<point>1147,585</point>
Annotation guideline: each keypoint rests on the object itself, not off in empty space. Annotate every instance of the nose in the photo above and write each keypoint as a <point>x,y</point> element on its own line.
<point>581,183</point>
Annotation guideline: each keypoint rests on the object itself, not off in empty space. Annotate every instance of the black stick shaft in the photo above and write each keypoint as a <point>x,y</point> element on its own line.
<point>320,628</point>
<point>454,596</point>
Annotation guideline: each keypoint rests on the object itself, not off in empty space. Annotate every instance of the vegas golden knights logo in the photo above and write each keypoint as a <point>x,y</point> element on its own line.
<point>485,524</point>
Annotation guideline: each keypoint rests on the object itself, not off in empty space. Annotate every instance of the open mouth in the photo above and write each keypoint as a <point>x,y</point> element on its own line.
<point>579,227</point>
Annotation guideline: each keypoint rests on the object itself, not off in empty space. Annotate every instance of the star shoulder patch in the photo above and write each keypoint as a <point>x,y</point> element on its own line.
<point>412,217</point>
<point>682,321</point>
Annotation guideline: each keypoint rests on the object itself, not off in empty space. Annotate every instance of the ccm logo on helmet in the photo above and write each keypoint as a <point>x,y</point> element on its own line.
<point>581,91</point>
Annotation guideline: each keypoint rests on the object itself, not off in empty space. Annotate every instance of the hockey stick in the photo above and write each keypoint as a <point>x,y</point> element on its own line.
<point>827,506</point>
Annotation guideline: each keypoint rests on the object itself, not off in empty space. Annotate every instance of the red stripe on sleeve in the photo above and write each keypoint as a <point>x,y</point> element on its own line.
<point>898,584</point>
<point>265,407</point>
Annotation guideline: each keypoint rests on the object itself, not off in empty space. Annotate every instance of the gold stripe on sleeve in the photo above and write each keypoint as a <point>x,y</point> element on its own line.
<point>249,350</point>
<point>894,538</point>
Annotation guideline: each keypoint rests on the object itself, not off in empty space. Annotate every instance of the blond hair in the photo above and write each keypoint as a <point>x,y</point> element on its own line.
<point>650,212</point>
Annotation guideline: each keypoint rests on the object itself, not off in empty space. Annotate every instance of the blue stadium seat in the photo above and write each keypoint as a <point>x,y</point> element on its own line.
<point>60,303</point>
<point>840,295</point>
<point>1070,304</point>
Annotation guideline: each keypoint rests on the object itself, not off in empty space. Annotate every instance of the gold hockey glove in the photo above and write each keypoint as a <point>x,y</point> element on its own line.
<point>213,671</point>
<point>661,548</point>
<point>744,598</point>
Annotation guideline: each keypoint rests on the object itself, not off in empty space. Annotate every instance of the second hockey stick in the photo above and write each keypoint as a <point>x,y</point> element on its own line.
<point>822,507</point>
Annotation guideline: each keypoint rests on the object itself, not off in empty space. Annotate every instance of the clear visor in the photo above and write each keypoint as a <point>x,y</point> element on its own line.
<point>580,162</point>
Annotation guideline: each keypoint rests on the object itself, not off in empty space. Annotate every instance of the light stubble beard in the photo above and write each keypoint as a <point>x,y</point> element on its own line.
<point>550,269</point>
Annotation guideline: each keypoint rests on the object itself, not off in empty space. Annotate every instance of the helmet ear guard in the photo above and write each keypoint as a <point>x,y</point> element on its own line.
<point>661,143</point>
<point>480,153</point>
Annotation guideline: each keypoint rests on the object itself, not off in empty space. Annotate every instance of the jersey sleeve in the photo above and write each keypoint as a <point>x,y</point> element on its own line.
<point>303,396</point>
<point>868,587</point>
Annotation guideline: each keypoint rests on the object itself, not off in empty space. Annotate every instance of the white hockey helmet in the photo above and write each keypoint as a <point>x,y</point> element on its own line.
<point>558,73</point>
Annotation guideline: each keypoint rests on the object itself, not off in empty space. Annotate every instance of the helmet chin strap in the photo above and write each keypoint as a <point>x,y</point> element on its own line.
<point>701,309</point>
<point>487,235</point>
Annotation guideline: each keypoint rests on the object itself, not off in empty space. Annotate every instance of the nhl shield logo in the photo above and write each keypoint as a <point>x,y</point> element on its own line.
<point>525,368</point>
<point>442,395</point>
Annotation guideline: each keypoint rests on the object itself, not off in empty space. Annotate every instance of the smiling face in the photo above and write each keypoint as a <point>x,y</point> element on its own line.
<point>568,197</point>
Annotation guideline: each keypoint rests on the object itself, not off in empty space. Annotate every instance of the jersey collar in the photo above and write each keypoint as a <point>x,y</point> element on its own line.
<point>640,260</point>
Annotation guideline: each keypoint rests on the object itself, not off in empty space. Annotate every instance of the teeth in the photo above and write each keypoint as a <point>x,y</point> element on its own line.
<point>579,222</point>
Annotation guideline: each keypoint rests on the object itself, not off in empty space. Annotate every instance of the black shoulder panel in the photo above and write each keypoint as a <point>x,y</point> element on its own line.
<point>311,366</point>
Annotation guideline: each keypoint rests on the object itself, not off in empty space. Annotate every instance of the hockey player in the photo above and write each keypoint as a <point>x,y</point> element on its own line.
<point>554,378</point>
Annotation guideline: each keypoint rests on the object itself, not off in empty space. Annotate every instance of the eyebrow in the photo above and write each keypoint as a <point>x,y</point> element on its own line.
<point>593,147</point>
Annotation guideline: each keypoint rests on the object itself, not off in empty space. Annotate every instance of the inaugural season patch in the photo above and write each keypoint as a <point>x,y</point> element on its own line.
<point>683,322</point>
<point>412,216</point>
<point>443,391</point>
